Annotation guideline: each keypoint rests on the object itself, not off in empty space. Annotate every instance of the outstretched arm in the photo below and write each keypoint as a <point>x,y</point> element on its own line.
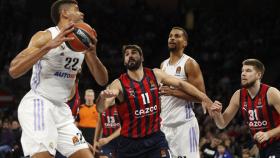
<point>222,120</point>
<point>184,86</point>
<point>273,100</point>
<point>107,96</point>
<point>40,44</point>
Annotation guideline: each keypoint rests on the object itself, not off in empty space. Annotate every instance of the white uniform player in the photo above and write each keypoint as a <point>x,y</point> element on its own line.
<point>43,114</point>
<point>178,119</point>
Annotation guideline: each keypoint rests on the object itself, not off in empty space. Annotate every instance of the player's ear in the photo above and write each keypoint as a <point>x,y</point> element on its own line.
<point>259,74</point>
<point>185,43</point>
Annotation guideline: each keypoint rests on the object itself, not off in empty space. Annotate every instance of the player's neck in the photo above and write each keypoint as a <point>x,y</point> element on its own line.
<point>253,91</point>
<point>136,75</point>
<point>62,23</point>
<point>175,56</point>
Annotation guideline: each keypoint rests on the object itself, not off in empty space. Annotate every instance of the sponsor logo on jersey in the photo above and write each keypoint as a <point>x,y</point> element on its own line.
<point>257,124</point>
<point>112,125</point>
<point>146,111</point>
<point>64,75</point>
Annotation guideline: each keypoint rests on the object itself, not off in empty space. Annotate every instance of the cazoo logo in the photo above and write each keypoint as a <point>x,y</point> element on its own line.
<point>257,123</point>
<point>146,111</point>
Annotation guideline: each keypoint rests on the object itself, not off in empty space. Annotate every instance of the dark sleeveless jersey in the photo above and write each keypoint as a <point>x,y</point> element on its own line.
<point>140,112</point>
<point>110,121</point>
<point>74,102</point>
<point>258,114</point>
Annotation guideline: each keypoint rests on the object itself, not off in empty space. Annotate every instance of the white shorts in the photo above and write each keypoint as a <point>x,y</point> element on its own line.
<point>183,140</point>
<point>48,126</point>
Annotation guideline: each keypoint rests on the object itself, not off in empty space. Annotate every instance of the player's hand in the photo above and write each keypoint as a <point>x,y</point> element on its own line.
<point>103,141</point>
<point>92,47</point>
<point>107,93</point>
<point>216,107</point>
<point>166,90</point>
<point>95,149</point>
<point>261,136</point>
<point>61,37</point>
<point>206,104</point>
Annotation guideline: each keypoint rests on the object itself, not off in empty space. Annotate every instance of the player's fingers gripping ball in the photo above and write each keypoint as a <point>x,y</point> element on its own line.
<point>83,35</point>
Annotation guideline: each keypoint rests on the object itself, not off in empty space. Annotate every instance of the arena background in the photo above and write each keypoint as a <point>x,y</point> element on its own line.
<point>221,35</point>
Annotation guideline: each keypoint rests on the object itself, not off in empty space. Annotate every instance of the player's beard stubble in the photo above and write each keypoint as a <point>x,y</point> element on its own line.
<point>248,84</point>
<point>133,64</point>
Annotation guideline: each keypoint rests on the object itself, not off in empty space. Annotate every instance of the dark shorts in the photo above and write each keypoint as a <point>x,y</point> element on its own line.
<point>153,146</point>
<point>271,151</point>
<point>88,134</point>
<point>110,149</point>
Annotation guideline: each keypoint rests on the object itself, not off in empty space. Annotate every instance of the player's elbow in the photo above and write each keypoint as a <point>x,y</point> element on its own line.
<point>13,73</point>
<point>103,82</point>
<point>221,126</point>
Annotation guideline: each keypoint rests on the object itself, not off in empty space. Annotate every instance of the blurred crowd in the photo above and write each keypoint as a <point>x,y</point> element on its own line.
<point>221,35</point>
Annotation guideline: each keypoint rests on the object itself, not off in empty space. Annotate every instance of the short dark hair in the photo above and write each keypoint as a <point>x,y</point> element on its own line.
<point>55,9</point>
<point>132,46</point>
<point>183,30</point>
<point>258,65</point>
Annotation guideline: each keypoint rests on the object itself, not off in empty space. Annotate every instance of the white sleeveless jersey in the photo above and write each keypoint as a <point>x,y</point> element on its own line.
<point>174,110</point>
<point>54,75</point>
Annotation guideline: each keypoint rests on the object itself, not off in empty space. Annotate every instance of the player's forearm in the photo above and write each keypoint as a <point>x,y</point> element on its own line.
<point>115,134</point>
<point>97,130</point>
<point>219,121</point>
<point>192,91</point>
<point>102,104</point>
<point>24,61</point>
<point>97,69</point>
<point>182,95</point>
<point>275,132</point>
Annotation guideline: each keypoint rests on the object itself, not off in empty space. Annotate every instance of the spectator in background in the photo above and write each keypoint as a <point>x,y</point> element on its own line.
<point>6,139</point>
<point>209,149</point>
<point>16,129</point>
<point>222,152</point>
<point>88,116</point>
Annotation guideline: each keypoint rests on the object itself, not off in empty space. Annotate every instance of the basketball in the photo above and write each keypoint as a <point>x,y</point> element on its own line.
<point>83,35</point>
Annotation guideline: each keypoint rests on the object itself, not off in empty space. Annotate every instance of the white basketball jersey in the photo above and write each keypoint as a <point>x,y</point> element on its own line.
<point>175,111</point>
<point>54,75</point>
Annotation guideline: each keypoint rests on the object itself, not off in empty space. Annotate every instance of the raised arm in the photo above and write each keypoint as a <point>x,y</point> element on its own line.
<point>273,100</point>
<point>222,120</point>
<point>40,44</point>
<point>107,96</point>
<point>97,69</point>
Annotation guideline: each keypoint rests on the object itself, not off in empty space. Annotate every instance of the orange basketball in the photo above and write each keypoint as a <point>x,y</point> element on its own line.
<point>83,35</point>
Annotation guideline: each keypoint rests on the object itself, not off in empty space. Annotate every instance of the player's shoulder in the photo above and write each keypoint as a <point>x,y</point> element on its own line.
<point>164,62</point>
<point>156,70</point>
<point>190,60</point>
<point>272,91</point>
<point>40,38</point>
